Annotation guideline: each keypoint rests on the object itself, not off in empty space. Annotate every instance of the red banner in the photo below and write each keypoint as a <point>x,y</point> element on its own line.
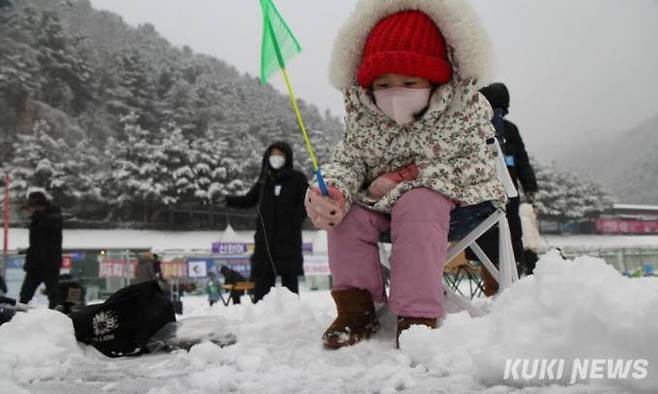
<point>622,226</point>
<point>67,262</point>
<point>174,269</point>
<point>108,268</point>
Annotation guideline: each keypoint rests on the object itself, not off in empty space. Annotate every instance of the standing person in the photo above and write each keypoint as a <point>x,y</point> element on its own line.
<point>144,271</point>
<point>3,286</point>
<point>415,145</point>
<point>44,255</point>
<point>232,277</point>
<point>157,266</point>
<point>213,288</point>
<point>518,165</point>
<point>279,197</point>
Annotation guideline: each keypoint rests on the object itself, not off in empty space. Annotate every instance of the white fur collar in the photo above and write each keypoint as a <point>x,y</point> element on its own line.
<point>456,19</point>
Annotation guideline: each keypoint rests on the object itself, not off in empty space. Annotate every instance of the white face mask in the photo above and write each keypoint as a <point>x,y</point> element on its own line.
<point>401,104</point>
<point>277,162</point>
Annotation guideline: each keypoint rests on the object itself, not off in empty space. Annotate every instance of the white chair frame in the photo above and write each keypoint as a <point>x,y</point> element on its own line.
<point>507,272</point>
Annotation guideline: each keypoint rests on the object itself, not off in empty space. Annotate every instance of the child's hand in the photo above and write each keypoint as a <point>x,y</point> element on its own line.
<point>325,212</point>
<point>380,187</point>
<point>387,182</point>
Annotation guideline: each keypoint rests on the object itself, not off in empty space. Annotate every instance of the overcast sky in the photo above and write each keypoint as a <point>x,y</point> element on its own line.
<point>575,68</point>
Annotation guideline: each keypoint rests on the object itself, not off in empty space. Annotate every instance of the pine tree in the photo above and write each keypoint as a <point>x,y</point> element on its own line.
<point>84,173</point>
<point>565,196</point>
<point>69,173</point>
<point>132,89</point>
<point>65,72</point>
<point>173,128</point>
<point>135,175</point>
<point>173,161</point>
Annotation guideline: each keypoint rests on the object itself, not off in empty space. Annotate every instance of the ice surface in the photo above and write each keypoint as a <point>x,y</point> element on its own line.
<point>574,309</point>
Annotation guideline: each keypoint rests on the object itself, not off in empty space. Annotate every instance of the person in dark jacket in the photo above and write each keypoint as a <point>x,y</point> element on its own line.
<point>71,292</point>
<point>518,165</point>
<point>144,270</point>
<point>157,266</point>
<point>213,288</point>
<point>44,255</point>
<point>232,277</point>
<point>278,196</point>
<point>3,286</point>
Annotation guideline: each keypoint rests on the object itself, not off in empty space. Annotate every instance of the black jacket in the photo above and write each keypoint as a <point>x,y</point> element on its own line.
<point>516,156</point>
<point>45,251</point>
<point>280,218</point>
<point>519,168</point>
<point>231,277</point>
<point>517,160</point>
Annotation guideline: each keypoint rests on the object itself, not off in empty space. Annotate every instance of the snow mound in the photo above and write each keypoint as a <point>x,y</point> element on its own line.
<point>570,310</point>
<point>7,387</point>
<point>38,345</point>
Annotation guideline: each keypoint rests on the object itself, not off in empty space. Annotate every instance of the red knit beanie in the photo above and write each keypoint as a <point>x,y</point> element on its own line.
<point>407,43</point>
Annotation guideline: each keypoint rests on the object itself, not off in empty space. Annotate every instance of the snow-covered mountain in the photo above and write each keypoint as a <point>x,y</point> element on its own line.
<point>112,118</point>
<point>626,163</point>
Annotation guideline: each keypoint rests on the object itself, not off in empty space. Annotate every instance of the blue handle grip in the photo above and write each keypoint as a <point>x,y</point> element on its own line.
<point>323,186</point>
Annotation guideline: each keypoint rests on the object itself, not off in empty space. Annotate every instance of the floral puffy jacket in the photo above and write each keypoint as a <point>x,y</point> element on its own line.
<point>450,145</point>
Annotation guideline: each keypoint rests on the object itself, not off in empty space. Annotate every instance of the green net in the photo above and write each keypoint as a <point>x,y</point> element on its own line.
<point>279,44</point>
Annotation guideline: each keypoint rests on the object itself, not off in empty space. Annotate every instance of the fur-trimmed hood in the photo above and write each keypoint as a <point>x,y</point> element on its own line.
<point>468,42</point>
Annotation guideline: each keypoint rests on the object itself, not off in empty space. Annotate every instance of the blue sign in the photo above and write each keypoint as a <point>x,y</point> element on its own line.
<point>649,269</point>
<point>208,261</point>
<point>76,256</point>
<point>232,248</point>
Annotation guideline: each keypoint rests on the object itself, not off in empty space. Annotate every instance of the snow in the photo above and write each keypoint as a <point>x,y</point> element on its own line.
<point>51,347</point>
<point>197,240</point>
<point>575,309</point>
<point>636,207</point>
<point>230,236</point>
<point>590,242</point>
<point>138,239</point>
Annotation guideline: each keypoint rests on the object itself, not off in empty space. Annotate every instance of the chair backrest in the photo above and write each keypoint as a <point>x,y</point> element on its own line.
<point>503,173</point>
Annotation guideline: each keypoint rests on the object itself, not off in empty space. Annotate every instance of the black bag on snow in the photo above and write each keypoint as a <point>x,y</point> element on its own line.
<point>123,324</point>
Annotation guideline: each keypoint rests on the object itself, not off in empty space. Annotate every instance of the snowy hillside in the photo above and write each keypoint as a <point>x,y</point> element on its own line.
<point>569,310</point>
<point>621,163</point>
<point>117,124</point>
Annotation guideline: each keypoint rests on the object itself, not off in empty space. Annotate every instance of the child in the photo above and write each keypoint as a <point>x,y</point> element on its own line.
<point>213,288</point>
<point>415,146</point>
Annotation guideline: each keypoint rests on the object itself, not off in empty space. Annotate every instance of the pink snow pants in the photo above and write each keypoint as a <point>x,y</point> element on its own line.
<point>419,230</point>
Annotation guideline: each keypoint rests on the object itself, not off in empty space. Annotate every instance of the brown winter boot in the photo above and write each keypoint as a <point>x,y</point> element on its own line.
<point>356,319</point>
<point>489,284</point>
<point>406,322</point>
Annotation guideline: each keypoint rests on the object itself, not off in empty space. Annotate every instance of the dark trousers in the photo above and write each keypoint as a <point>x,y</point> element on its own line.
<point>32,281</point>
<point>266,280</point>
<point>235,296</point>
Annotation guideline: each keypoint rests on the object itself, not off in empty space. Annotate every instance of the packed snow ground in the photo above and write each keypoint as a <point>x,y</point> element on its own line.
<point>199,240</point>
<point>568,310</point>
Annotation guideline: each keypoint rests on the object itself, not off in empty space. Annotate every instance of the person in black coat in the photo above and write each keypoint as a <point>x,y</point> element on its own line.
<point>518,165</point>
<point>232,277</point>
<point>44,255</point>
<point>278,196</point>
<point>3,286</point>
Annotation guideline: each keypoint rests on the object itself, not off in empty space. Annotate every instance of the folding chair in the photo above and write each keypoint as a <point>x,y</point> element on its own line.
<point>246,287</point>
<point>459,271</point>
<point>467,224</point>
